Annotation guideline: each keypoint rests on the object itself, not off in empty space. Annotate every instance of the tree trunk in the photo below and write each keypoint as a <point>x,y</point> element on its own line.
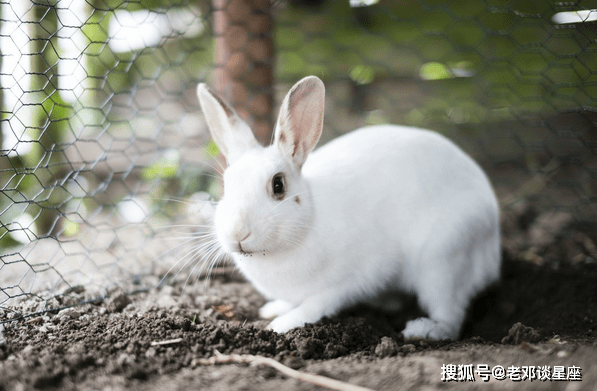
<point>244,72</point>
<point>49,166</point>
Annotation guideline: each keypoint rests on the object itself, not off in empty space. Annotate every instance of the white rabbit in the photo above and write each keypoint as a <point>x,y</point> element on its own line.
<point>379,210</point>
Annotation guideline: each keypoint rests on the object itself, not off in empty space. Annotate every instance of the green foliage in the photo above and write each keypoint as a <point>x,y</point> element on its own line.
<point>509,53</point>
<point>70,228</point>
<point>362,74</point>
<point>211,149</point>
<point>163,168</point>
<point>435,71</point>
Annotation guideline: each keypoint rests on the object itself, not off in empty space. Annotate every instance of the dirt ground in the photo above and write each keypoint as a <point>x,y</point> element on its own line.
<point>538,323</point>
<point>151,340</point>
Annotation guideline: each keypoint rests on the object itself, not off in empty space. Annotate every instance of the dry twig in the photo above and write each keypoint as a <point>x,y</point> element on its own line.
<point>166,342</point>
<point>256,360</point>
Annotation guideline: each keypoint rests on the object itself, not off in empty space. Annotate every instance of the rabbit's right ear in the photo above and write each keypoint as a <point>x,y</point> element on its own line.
<point>232,135</point>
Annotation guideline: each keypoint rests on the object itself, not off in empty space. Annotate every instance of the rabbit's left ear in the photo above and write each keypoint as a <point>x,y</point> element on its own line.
<point>300,121</point>
<point>232,135</point>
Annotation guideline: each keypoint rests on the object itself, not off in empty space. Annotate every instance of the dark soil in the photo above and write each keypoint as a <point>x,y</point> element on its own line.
<point>150,340</point>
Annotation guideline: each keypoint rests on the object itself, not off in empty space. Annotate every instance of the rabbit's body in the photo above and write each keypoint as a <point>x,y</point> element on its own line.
<point>367,240</point>
<point>381,209</point>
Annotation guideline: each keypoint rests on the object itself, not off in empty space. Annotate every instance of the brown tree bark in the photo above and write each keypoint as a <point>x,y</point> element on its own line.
<point>244,73</point>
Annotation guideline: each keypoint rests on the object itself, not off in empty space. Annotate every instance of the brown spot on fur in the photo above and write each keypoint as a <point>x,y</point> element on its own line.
<point>296,147</point>
<point>297,200</point>
<point>282,138</point>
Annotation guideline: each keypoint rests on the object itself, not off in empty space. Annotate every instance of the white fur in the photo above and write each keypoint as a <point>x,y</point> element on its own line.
<point>381,209</point>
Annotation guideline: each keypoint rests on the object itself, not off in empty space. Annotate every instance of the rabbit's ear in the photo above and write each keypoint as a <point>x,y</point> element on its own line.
<point>301,119</point>
<point>232,135</point>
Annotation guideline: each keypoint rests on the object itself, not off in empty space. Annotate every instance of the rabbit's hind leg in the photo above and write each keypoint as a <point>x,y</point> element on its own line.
<point>445,301</point>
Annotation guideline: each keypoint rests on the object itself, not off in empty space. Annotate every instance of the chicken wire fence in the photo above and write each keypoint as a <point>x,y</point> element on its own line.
<point>104,145</point>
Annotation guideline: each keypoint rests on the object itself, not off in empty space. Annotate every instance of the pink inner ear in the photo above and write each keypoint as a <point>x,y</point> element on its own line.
<point>305,116</point>
<point>282,137</point>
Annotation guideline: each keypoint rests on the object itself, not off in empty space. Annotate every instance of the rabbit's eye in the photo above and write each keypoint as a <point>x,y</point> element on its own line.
<point>278,186</point>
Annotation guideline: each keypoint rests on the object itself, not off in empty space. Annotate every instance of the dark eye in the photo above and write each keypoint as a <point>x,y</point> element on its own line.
<point>278,186</point>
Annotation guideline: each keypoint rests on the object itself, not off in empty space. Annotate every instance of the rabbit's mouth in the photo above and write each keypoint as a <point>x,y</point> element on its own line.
<point>242,251</point>
<point>247,253</point>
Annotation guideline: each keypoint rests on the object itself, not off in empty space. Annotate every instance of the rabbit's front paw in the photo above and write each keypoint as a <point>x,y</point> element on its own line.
<point>274,308</point>
<point>285,322</point>
<point>427,328</point>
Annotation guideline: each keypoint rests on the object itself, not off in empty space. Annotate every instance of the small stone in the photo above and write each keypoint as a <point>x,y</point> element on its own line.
<point>547,227</point>
<point>27,350</point>
<point>294,362</point>
<point>52,303</point>
<point>117,301</point>
<point>306,347</point>
<point>151,353</point>
<point>182,323</point>
<point>69,312</point>
<point>166,301</point>
<point>519,333</point>
<point>333,350</point>
<point>125,358</point>
<point>47,327</point>
<point>408,348</point>
<point>387,347</point>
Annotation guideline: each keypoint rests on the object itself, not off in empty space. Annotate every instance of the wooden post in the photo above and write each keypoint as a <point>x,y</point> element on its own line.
<point>49,167</point>
<point>244,72</point>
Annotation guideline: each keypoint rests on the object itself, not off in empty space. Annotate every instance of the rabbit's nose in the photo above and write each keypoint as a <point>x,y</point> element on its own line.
<point>240,243</point>
<point>242,230</point>
<point>244,237</point>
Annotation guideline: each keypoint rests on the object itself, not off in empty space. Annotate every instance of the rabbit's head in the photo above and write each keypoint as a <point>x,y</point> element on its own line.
<point>266,205</point>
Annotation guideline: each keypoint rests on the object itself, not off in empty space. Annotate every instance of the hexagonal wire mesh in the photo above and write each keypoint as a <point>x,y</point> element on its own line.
<point>101,129</point>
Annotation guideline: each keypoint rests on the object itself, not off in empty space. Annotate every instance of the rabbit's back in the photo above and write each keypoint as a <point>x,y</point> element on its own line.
<point>405,200</point>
